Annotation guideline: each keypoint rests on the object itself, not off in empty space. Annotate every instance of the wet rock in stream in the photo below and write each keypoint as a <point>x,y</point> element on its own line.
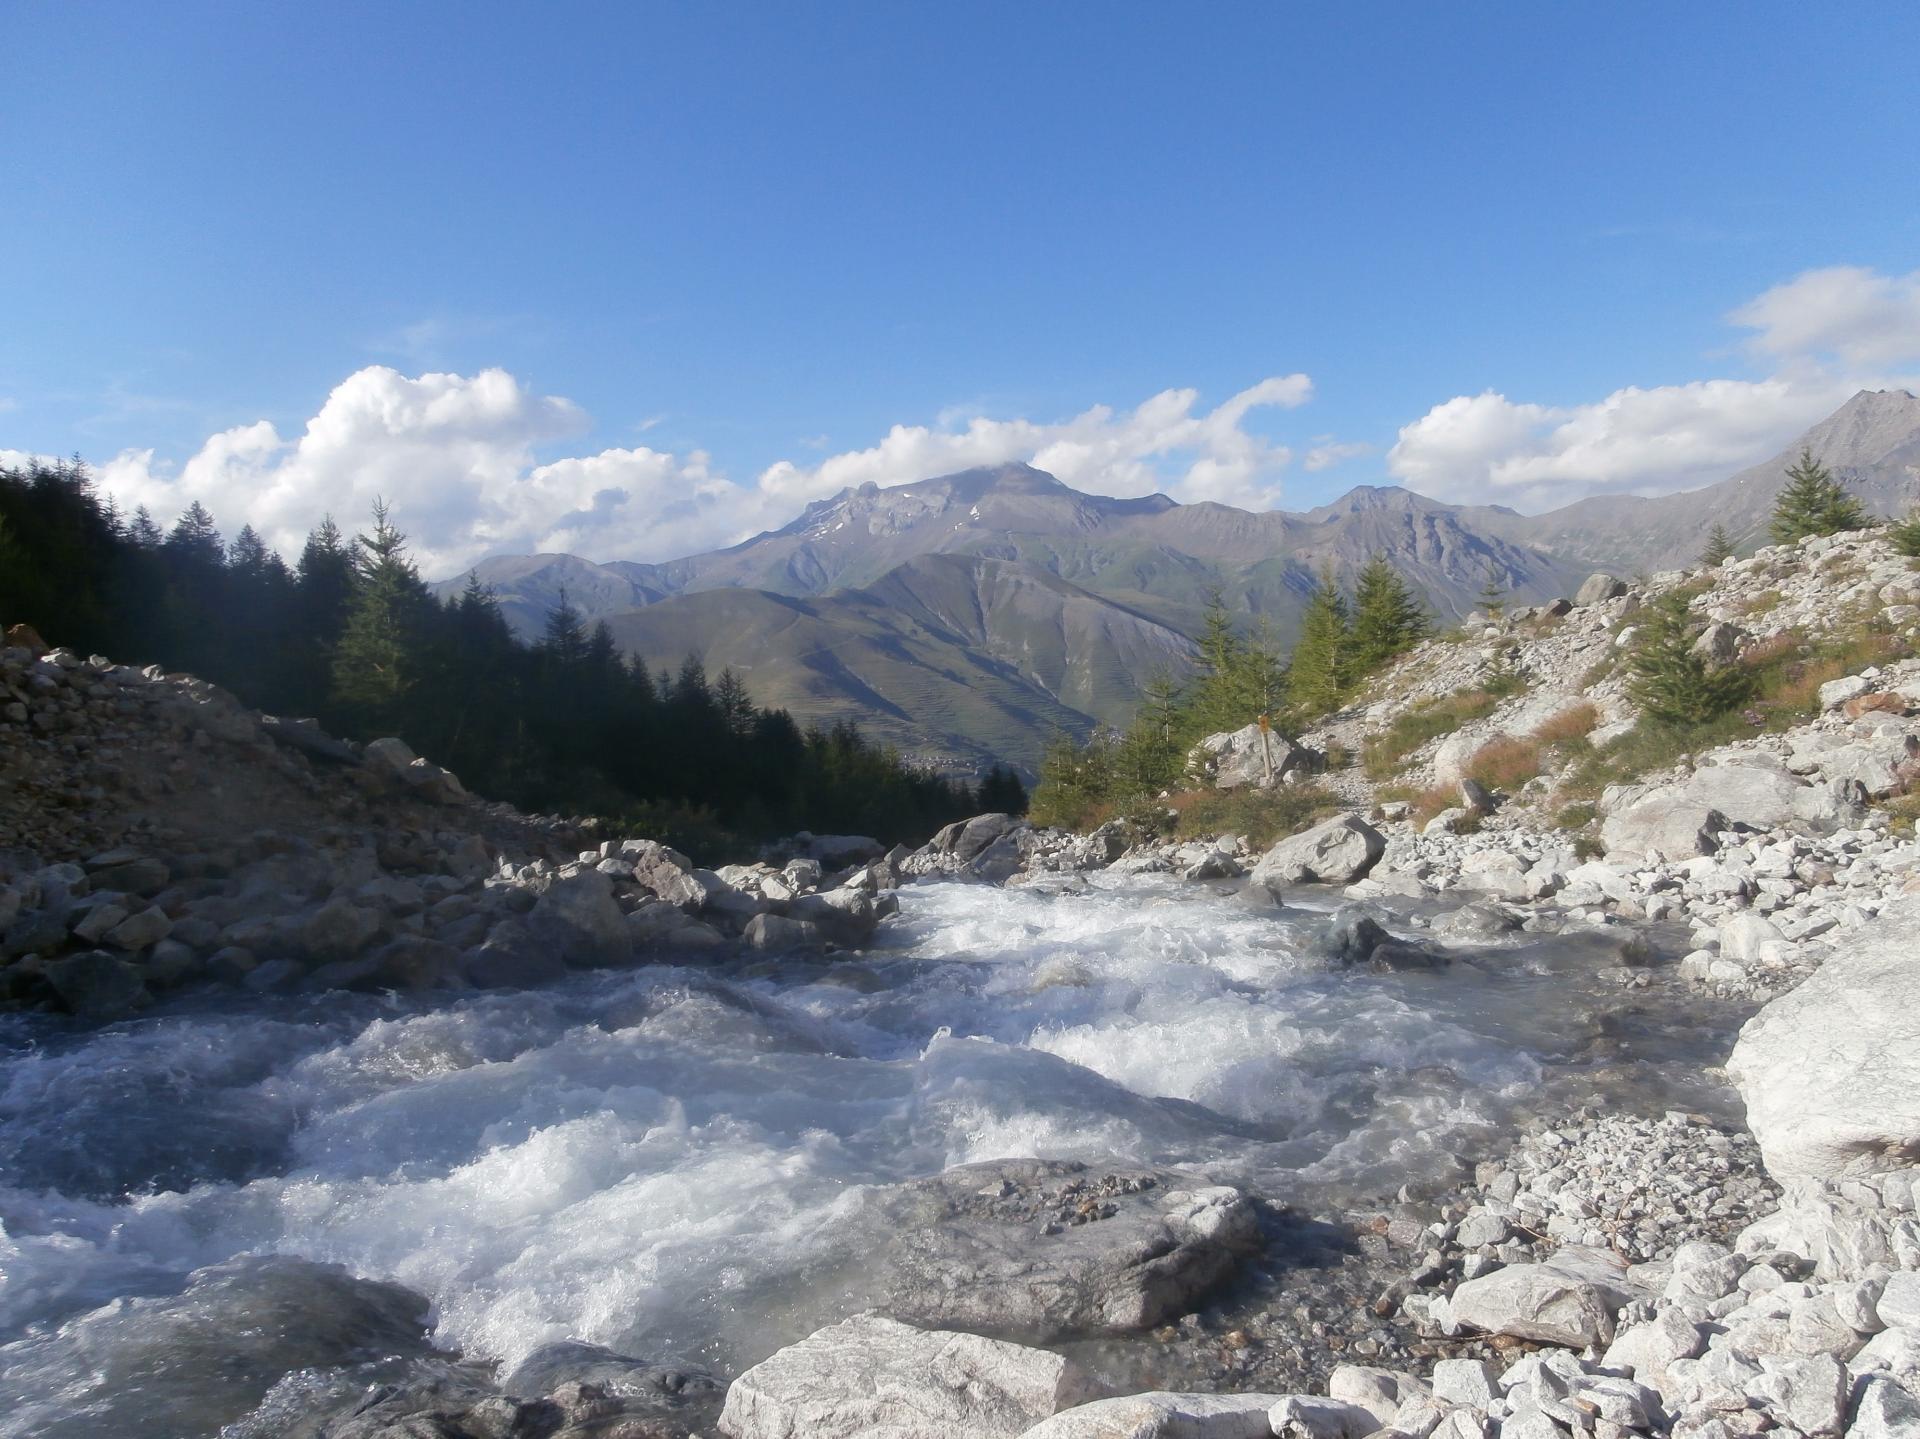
<point>1046,1249</point>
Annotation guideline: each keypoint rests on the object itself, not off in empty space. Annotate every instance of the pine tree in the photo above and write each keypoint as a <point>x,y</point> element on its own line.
<point>735,705</point>
<point>1667,679</point>
<point>1493,591</point>
<point>1814,503</point>
<point>143,531</point>
<point>1317,673</point>
<point>1719,548</point>
<point>1388,618</point>
<point>381,651</point>
<point>564,640</point>
<point>1905,535</point>
<point>195,541</point>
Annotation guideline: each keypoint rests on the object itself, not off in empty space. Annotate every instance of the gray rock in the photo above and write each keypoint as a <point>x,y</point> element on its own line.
<point>1830,1072</point>
<point>1599,588</point>
<point>1535,1301</point>
<point>140,931</point>
<point>339,929</point>
<point>1336,851</point>
<point>579,913</point>
<point>1250,758</point>
<point>1350,937</point>
<point>1648,1350</point>
<point>1810,1394</point>
<point>1667,825</point>
<point>1380,1392</point>
<point>1835,693</point>
<point>1306,1416</point>
<point>662,1387</point>
<point>1471,1382</point>
<point>1166,1416</point>
<point>1898,1304</point>
<point>871,1376</point>
<point>773,933</point>
<point>1040,1250</point>
<point>96,985</point>
<point>1884,1410</point>
<point>512,956</point>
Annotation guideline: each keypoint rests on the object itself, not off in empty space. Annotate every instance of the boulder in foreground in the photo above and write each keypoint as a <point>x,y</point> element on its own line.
<point>876,1377</point>
<point>1039,1250</point>
<point>1335,851</point>
<point>1830,1073</point>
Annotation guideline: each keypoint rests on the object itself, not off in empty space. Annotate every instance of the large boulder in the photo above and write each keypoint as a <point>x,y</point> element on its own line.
<point>1599,588</point>
<point>1759,791</point>
<point>1830,1073</point>
<point>1569,1300</point>
<point>1039,1250</point>
<point>1676,828</point>
<point>871,1376</point>
<point>580,915</point>
<point>1336,851</point>
<point>1254,757</point>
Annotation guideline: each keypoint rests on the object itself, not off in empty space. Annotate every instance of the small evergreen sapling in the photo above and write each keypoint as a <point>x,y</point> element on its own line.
<point>1668,680</point>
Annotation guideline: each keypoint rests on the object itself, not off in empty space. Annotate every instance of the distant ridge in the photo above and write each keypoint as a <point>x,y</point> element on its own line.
<point>971,614</point>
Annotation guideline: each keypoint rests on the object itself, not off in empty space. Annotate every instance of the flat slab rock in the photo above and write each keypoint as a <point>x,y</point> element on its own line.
<point>1166,1416</point>
<point>881,1379</point>
<point>1039,1250</point>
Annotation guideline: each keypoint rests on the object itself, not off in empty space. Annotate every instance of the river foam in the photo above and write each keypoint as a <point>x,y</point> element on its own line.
<point>665,1160</point>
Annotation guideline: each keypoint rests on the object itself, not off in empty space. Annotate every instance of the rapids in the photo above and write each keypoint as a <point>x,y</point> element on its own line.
<point>661,1160</point>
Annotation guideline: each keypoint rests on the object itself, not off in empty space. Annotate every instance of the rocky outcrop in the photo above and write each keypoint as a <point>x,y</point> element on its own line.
<point>1250,758</point>
<point>1830,1073</point>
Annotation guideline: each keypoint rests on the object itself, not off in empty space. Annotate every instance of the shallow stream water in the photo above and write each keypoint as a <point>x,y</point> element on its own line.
<point>664,1160</point>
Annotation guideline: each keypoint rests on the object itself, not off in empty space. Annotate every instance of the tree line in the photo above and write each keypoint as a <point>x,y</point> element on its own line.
<point>1238,678</point>
<point>350,634</point>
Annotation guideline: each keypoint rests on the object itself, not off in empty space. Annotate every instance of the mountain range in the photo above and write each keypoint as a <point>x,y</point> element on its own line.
<point>969,617</point>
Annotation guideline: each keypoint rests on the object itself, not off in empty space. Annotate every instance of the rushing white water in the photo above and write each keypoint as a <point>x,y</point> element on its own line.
<point>662,1160</point>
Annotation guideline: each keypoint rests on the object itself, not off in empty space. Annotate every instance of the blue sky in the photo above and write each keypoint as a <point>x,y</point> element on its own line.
<point>633,280</point>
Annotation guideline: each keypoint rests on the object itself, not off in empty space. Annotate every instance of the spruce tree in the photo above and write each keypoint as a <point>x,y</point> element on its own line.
<point>564,640</point>
<point>380,654</point>
<point>1388,618</point>
<point>1670,682</point>
<point>1317,673</point>
<point>1718,549</point>
<point>195,541</point>
<point>1493,591</point>
<point>1905,535</point>
<point>1814,503</point>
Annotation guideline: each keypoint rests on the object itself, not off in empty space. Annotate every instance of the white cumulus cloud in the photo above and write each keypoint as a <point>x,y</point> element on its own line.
<point>1857,316</point>
<point>456,458</point>
<point>1826,334</point>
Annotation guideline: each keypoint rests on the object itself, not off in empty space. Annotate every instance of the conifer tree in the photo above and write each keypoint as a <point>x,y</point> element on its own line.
<point>1718,549</point>
<point>380,654</point>
<point>1493,591</point>
<point>1905,534</point>
<point>564,640</point>
<point>143,531</point>
<point>1667,679</point>
<point>194,541</point>
<point>1814,503</point>
<point>1318,671</point>
<point>1388,618</point>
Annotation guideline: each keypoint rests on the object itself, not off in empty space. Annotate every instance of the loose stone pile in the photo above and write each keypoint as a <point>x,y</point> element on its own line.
<point>154,834</point>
